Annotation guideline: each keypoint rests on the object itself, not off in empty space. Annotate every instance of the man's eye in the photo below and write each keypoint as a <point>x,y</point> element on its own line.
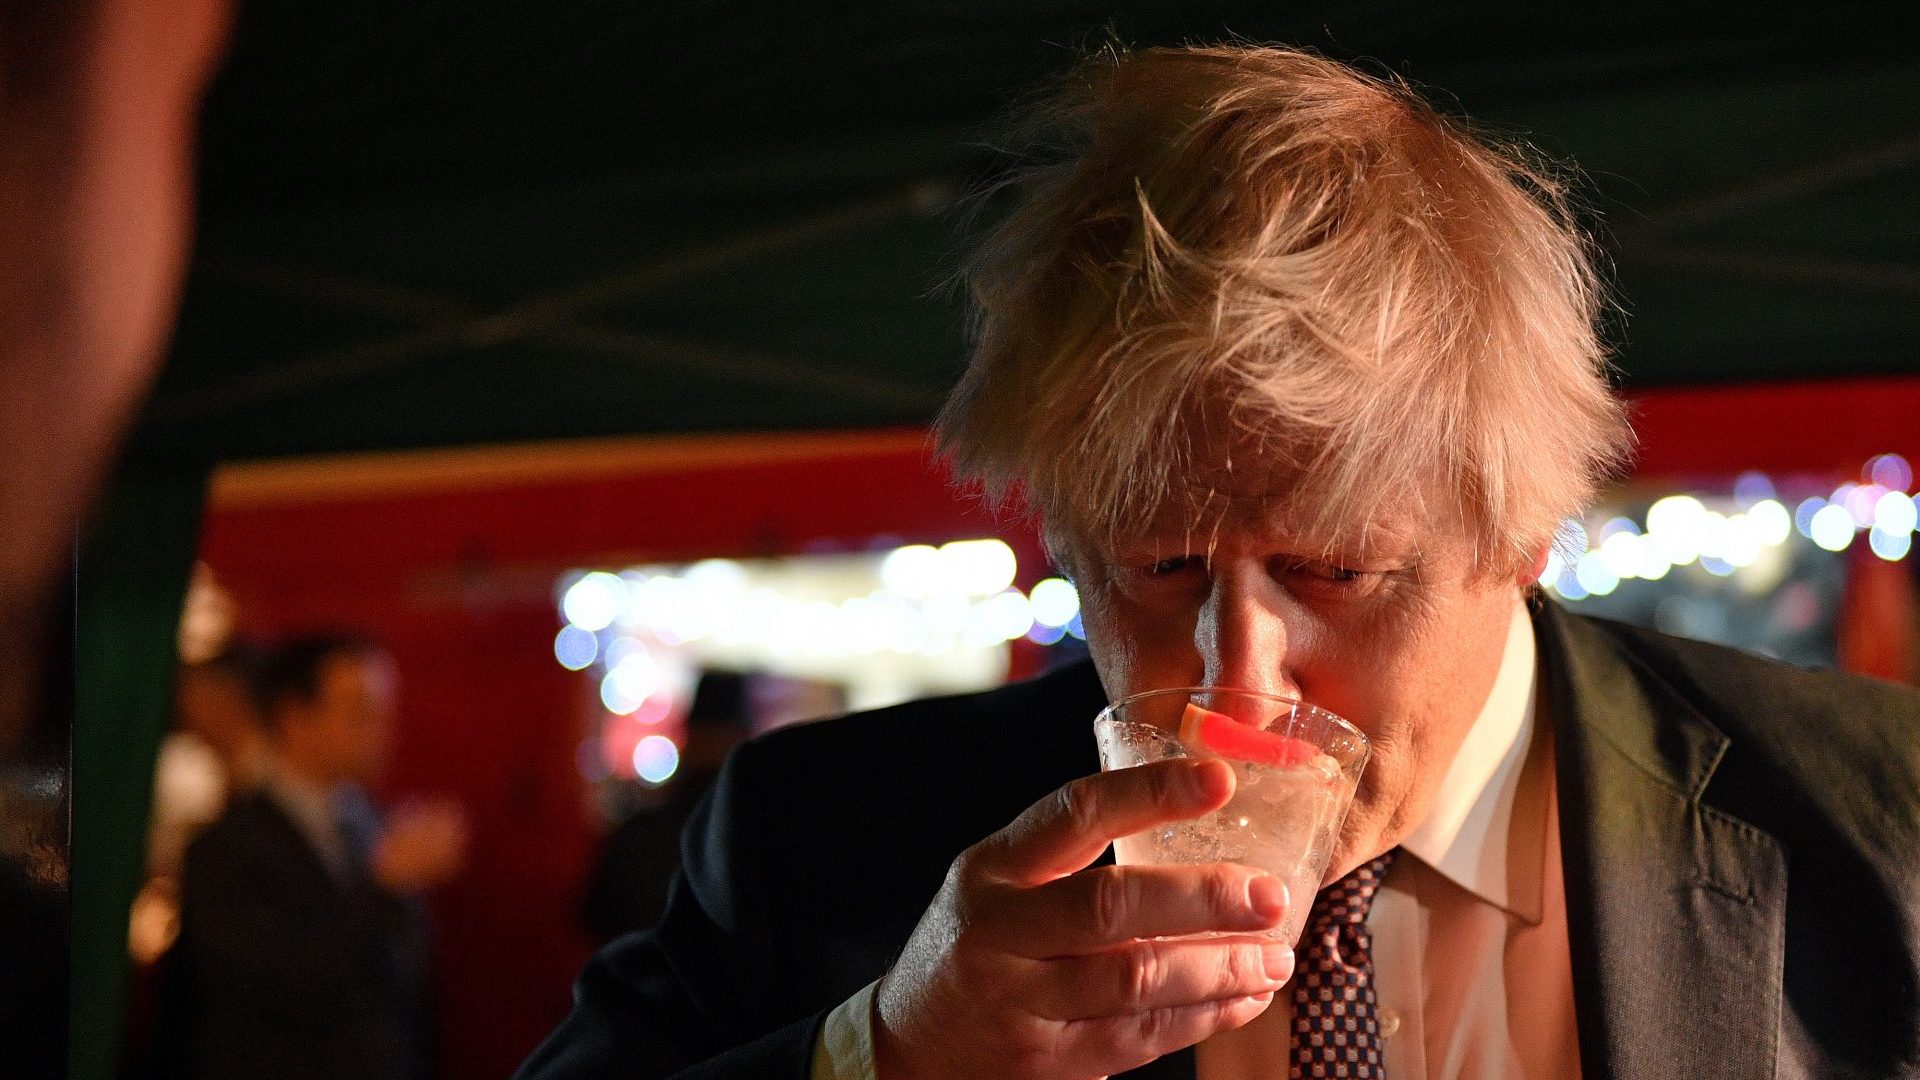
<point>1169,566</point>
<point>1326,571</point>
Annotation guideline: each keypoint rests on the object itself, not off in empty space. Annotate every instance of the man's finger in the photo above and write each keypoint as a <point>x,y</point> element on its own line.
<point>1116,1044</point>
<point>1070,828</point>
<point>1150,975</point>
<point>1096,909</point>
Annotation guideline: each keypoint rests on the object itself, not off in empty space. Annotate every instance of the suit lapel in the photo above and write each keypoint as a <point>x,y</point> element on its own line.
<point>1675,909</point>
<point>297,859</point>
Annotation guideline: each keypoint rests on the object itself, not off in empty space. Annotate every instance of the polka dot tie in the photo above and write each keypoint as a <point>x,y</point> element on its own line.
<point>1336,1026</point>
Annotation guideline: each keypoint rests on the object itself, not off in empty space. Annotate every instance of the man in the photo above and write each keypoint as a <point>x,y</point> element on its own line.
<point>215,753</point>
<point>302,948</point>
<point>1300,379</point>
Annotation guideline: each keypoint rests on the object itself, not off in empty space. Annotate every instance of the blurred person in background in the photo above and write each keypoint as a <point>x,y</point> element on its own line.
<point>303,947</point>
<point>216,753</point>
<point>1301,378</point>
<point>628,886</point>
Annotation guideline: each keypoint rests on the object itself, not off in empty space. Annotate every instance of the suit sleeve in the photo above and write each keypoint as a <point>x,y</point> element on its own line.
<point>694,997</point>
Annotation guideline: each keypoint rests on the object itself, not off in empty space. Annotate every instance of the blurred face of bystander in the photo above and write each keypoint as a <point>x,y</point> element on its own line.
<point>345,731</point>
<point>1395,632</point>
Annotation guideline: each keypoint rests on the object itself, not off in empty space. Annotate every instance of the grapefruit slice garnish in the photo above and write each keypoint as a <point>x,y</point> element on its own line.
<point>1204,729</point>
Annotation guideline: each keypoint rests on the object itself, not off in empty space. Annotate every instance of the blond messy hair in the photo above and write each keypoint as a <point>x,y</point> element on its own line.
<point>1234,246</point>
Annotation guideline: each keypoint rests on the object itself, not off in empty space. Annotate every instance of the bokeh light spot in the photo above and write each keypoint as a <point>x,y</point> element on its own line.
<point>1770,522</point>
<point>1803,515</point>
<point>978,567</point>
<point>1055,602</point>
<point>1042,634</point>
<point>1594,575</point>
<point>1894,513</point>
<point>592,602</point>
<point>575,647</point>
<point>1890,471</point>
<point>1832,527</point>
<point>1889,545</point>
<point>656,759</point>
<point>1751,487</point>
<point>1860,502</point>
<point>912,571</point>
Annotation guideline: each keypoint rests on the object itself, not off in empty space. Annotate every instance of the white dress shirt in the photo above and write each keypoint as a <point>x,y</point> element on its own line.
<point>311,809</point>
<point>1471,965</point>
<point>1471,962</point>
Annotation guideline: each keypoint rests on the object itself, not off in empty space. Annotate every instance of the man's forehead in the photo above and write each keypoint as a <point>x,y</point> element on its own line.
<point>1241,478</point>
<point>1199,519</point>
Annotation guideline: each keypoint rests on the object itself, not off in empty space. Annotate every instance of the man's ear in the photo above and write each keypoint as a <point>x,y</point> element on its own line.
<point>1539,565</point>
<point>1057,550</point>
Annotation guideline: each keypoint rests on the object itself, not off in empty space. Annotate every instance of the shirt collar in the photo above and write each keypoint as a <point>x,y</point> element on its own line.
<point>1479,825</point>
<point>311,808</point>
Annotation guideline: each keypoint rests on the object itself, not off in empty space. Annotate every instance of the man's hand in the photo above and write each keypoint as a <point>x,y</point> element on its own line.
<point>1029,965</point>
<point>425,845</point>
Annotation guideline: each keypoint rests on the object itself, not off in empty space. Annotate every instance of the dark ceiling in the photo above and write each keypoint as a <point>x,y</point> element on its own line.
<point>444,223</point>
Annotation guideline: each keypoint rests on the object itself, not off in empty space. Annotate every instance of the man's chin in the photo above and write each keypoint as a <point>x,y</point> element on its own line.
<point>1346,858</point>
<point>1358,845</point>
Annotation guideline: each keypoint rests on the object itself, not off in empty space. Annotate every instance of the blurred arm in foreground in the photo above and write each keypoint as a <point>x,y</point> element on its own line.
<point>98,104</point>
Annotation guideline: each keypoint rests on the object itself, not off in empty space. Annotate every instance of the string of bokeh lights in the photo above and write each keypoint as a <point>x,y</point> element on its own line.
<point>1681,530</point>
<point>925,601</point>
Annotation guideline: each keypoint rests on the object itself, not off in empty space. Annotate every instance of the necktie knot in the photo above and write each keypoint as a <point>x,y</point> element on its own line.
<point>1336,1031</point>
<point>1349,899</point>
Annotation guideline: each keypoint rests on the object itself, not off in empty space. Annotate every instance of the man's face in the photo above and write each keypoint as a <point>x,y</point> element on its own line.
<point>1395,634</point>
<point>349,723</point>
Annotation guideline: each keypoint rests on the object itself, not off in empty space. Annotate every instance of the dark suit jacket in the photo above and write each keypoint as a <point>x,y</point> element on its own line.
<point>283,972</point>
<point>1741,843</point>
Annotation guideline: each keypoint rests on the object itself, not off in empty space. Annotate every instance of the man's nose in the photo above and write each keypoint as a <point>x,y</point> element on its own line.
<point>1241,636</point>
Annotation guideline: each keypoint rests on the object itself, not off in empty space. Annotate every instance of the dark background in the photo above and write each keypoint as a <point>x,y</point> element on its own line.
<point>439,223</point>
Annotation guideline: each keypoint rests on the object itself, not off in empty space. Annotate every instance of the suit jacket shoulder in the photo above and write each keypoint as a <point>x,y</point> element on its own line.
<point>1846,746</point>
<point>855,820</point>
<point>932,770</point>
<point>256,847</point>
<point>1744,836</point>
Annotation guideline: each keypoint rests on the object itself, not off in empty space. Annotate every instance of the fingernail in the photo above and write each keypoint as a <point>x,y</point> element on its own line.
<point>1277,962</point>
<point>1209,779</point>
<point>1267,896</point>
